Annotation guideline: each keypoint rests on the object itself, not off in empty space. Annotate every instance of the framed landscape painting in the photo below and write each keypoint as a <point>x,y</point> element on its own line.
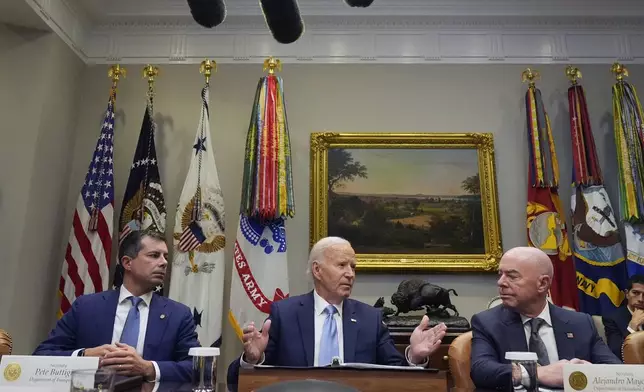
<point>408,201</point>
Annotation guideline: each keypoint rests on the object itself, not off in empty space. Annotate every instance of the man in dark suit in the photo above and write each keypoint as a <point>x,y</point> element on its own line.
<point>133,330</point>
<point>527,322</point>
<point>628,318</point>
<point>324,325</point>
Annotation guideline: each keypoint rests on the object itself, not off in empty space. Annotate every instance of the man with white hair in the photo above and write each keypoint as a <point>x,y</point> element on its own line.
<point>325,325</point>
<point>527,322</point>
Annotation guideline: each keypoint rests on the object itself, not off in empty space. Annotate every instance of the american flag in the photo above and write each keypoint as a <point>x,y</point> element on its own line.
<point>87,258</point>
<point>191,237</point>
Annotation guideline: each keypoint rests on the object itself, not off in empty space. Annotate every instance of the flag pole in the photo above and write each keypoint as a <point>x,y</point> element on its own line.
<point>545,224</point>
<point>573,73</point>
<point>272,64</point>
<point>115,72</point>
<point>206,68</point>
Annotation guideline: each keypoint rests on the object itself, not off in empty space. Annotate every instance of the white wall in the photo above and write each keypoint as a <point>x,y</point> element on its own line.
<point>349,98</point>
<point>38,75</point>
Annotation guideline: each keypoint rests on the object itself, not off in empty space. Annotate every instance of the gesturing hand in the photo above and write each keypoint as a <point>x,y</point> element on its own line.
<point>424,340</point>
<point>255,342</point>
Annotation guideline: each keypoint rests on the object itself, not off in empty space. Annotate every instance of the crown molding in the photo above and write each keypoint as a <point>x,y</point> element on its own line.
<point>127,35</point>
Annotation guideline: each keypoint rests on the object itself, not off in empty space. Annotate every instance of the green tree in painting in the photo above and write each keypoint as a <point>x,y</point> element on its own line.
<point>474,212</point>
<point>343,168</point>
<point>472,185</point>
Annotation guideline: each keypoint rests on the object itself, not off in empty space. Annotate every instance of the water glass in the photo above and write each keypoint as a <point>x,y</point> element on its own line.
<point>93,380</point>
<point>204,368</point>
<point>527,361</point>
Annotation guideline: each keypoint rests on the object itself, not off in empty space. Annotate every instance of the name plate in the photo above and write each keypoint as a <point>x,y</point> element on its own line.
<point>35,372</point>
<point>603,378</point>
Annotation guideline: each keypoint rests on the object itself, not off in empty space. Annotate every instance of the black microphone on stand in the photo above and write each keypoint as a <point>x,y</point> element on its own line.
<point>283,20</point>
<point>359,3</point>
<point>336,361</point>
<point>208,13</point>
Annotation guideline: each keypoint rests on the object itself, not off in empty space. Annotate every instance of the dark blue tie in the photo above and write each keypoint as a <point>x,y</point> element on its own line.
<point>130,334</point>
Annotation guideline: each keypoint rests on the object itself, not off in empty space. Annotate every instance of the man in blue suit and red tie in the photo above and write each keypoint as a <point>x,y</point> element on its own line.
<point>315,328</point>
<point>527,322</point>
<point>132,330</point>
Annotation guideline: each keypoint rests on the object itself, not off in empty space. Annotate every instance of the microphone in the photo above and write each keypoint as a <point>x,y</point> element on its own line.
<point>208,13</point>
<point>358,3</point>
<point>336,361</point>
<point>283,20</point>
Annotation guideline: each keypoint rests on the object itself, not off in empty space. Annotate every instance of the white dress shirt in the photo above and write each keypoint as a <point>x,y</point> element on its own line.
<point>547,335</point>
<point>631,330</point>
<point>319,304</point>
<point>122,309</point>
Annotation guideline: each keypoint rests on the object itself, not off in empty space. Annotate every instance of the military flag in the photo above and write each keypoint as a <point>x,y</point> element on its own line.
<point>87,258</point>
<point>198,265</point>
<point>260,275</point>
<point>629,139</point>
<point>597,249</point>
<point>143,204</point>
<point>545,224</point>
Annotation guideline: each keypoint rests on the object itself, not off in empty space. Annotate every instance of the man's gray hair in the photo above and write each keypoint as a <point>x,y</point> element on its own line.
<point>317,251</point>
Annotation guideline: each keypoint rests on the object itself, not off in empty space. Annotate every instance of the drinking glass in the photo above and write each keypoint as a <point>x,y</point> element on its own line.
<point>93,380</point>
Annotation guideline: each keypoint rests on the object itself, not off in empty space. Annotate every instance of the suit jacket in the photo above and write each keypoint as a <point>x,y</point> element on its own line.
<point>292,335</point>
<point>90,323</point>
<point>616,328</point>
<point>499,330</point>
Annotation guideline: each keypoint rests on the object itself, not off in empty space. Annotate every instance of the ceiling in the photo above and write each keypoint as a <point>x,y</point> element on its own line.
<point>162,31</point>
<point>19,13</point>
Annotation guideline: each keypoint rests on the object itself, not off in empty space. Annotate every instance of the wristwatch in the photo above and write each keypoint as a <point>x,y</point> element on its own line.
<point>81,353</point>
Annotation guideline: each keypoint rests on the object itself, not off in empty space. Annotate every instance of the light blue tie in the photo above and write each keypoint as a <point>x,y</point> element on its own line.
<point>130,335</point>
<point>329,342</point>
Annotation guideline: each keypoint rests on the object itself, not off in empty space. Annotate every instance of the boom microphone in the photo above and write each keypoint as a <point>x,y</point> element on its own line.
<point>359,3</point>
<point>283,20</point>
<point>208,13</point>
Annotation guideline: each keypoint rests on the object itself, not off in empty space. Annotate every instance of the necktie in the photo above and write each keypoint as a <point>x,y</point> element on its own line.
<point>130,334</point>
<point>329,347</point>
<point>535,344</point>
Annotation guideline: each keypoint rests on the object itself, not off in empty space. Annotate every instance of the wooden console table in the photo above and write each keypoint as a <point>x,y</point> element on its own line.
<point>372,380</point>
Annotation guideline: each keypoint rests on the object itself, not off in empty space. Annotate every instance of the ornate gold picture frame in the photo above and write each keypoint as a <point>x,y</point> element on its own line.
<point>408,201</point>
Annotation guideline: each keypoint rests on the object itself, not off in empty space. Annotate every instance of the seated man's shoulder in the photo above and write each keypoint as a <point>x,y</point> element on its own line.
<point>571,315</point>
<point>175,304</point>
<point>93,298</point>
<point>490,315</point>
<point>618,313</point>
<point>363,307</point>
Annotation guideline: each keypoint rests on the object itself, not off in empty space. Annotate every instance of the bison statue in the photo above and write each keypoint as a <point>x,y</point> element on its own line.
<point>416,294</point>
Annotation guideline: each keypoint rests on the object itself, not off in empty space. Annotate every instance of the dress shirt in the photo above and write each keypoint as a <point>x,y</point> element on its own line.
<point>122,309</point>
<point>628,327</point>
<point>319,305</point>
<point>547,335</point>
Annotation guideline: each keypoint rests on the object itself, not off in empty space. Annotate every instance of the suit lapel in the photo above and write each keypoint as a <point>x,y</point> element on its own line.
<point>516,333</point>
<point>564,335</point>
<point>350,329</point>
<point>305,316</point>
<point>105,316</point>
<point>158,319</point>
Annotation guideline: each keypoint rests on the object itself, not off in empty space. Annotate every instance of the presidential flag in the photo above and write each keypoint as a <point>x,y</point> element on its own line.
<point>198,266</point>
<point>597,248</point>
<point>628,120</point>
<point>545,223</point>
<point>87,257</point>
<point>260,274</point>
<point>143,204</point>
